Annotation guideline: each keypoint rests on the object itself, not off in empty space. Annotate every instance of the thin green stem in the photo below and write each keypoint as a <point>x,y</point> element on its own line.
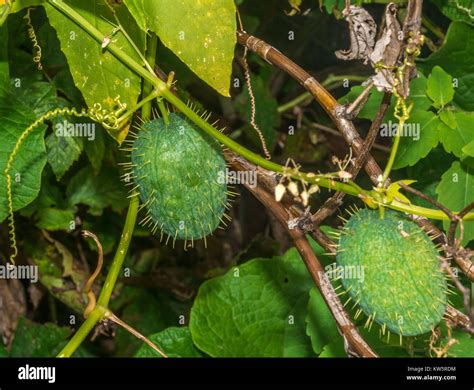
<point>95,316</point>
<point>163,111</point>
<point>122,249</point>
<point>152,43</point>
<point>393,152</point>
<point>424,211</point>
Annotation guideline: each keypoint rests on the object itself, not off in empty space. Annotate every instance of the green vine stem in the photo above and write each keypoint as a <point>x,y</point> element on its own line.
<point>163,89</point>
<point>95,316</point>
<point>152,43</point>
<point>122,249</point>
<point>393,151</point>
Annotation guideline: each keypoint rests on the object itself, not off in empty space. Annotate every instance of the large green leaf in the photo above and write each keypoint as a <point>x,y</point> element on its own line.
<point>421,135</point>
<point>456,57</point>
<point>201,33</point>
<point>440,87</point>
<point>19,108</point>
<point>35,340</point>
<point>99,75</point>
<point>174,342</point>
<point>455,139</point>
<point>456,191</point>
<point>257,309</point>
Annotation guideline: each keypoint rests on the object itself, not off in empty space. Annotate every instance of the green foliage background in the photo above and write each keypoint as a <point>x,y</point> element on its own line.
<point>248,293</point>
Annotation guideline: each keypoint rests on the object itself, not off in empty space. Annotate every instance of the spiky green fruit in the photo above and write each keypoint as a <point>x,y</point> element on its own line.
<point>179,173</point>
<point>391,268</point>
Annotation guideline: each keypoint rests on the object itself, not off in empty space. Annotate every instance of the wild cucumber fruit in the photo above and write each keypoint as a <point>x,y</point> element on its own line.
<point>403,288</point>
<point>177,170</point>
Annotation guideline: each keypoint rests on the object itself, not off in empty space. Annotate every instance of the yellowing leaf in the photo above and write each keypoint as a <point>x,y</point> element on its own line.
<point>201,33</point>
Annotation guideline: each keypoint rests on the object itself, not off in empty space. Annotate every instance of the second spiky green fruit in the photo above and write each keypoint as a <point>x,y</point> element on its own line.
<point>179,171</point>
<point>400,284</point>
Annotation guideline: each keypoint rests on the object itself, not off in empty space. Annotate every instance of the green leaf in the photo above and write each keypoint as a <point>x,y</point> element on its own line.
<point>19,108</point>
<point>35,340</point>
<point>456,191</point>
<point>457,10</point>
<point>4,68</point>
<point>18,5</point>
<point>456,57</point>
<point>464,346</point>
<point>469,149</point>
<point>334,349</point>
<point>418,96</point>
<point>98,74</point>
<point>209,50</point>
<point>97,191</point>
<point>255,310</point>
<point>440,87</point>
<point>448,118</point>
<point>62,150</point>
<point>454,140</point>
<point>420,135</point>
<point>320,324</point>
<point>174,342</point>
<point>54,219</point>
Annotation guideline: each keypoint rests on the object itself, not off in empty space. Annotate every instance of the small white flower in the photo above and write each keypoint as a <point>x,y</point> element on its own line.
<point>293,188</point>
<point>305,198</point>
<point>344,175</point>
<point>313,189</point>
<point>279,192</point>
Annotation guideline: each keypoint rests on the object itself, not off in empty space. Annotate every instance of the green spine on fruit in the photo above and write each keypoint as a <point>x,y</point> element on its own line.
<point>178,172</point>
<point>403,288</point>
